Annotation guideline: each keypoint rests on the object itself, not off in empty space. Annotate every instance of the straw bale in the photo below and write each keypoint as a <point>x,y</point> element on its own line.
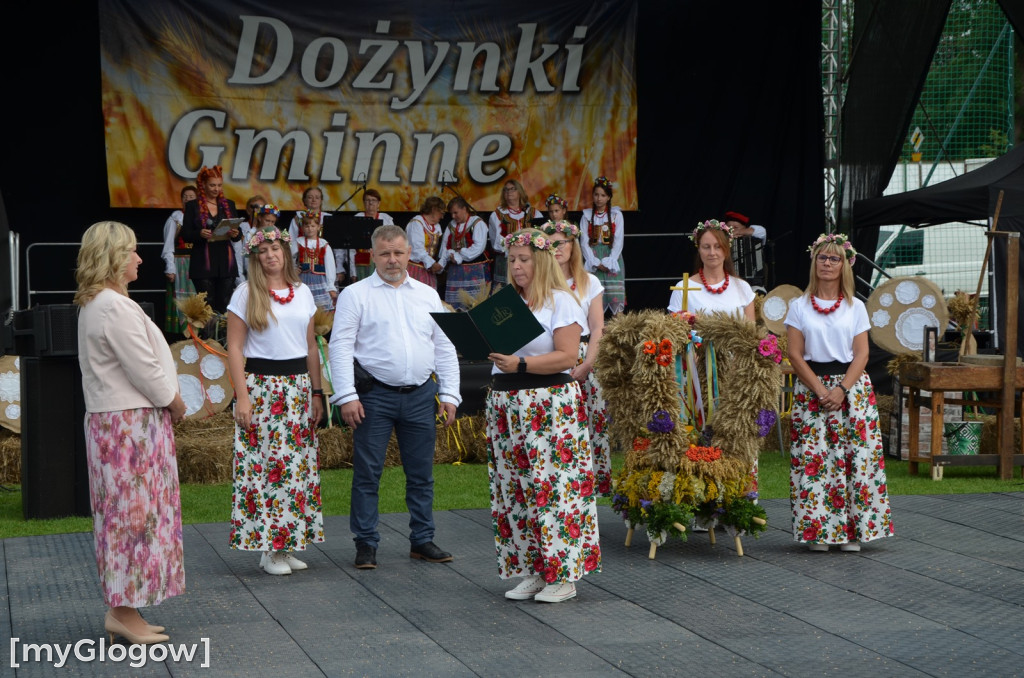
<point>205,448</point>
<point>990,435</point>
<point>10,457</point>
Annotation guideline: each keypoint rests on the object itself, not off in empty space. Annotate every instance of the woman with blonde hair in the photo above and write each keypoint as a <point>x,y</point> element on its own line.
<point>275,366</point>
<point>837,469</point>
<point>588,291</point>
<point>543,499</point>
<point>131,402</point>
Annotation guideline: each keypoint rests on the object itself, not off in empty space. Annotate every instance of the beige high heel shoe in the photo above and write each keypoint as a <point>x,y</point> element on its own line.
<point>114,627</point>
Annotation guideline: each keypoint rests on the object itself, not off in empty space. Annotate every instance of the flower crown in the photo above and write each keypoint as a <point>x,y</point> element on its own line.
<point>711,225</point>
<point>269,208</point>
<point>263,235</point>
<point>555,199</point>
<point>603,182</point>
<point>527,237</point>
<point>568,228</point>
<point>309,214</point>
<point>840,239</point>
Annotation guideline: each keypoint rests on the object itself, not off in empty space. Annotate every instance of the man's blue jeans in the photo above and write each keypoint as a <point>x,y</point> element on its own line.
<point>412,417</point>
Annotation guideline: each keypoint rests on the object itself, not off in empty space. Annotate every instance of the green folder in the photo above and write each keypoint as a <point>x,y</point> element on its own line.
<point>503,323</point>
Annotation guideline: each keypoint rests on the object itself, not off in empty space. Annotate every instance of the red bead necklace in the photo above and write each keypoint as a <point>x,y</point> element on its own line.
<point>713,290</point>
<point>285,300</point>
<point>826,311</point>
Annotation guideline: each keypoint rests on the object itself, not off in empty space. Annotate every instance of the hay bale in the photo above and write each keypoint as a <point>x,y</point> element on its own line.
<point>990,435</point>
<point>204,449</point>
<point>10,457</point>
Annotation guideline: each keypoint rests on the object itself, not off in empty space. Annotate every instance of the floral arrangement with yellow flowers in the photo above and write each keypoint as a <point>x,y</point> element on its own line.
<point>692,426</point>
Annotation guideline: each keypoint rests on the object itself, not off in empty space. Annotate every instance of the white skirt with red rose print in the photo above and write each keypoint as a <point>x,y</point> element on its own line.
<point>543,490</point>
<point>597,426</point>
<point>837,482</point>
<point>275,505</point>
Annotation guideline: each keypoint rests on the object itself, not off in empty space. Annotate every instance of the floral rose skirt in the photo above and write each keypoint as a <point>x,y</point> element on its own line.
<point>136,505</point>
<point>543,492</point>
<point>276,501</point>
<point>597,426</point>
<point>837,469</point>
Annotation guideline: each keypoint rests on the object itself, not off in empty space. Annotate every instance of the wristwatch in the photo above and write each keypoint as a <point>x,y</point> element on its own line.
<point>845,390</point>
<point>522,365</point>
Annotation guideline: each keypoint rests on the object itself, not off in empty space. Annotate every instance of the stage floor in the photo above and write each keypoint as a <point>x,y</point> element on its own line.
<point>943,597</point>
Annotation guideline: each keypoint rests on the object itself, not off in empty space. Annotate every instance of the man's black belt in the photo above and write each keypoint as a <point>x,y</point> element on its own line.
<point>398,389</point>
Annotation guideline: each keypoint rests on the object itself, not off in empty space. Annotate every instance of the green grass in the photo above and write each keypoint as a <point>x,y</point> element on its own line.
<point>465,487</point>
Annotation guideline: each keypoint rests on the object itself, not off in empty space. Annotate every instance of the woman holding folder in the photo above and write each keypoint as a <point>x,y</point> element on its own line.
<point>212,268</point>
<point>543,495</point>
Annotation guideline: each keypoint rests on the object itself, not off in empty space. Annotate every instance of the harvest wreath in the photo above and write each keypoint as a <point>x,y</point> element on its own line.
<point>690,399</point>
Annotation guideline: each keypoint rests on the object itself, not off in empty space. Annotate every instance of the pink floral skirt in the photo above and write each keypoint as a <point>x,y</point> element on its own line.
<point>136,505</point>
<point>543,493</point>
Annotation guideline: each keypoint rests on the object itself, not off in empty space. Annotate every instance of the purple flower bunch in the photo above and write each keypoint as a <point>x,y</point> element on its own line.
<point>661,422</point>
<point>765,420</point>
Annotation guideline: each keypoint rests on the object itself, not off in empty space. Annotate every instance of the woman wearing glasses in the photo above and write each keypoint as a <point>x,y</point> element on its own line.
<point>837,470</point>
<point>715,287</point>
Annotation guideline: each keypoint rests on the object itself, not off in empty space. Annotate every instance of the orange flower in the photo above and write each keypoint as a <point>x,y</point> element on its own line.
<point>664,359</point>
<point>705,454</point>
<point>641,444</point>
<point>666,346</point>
<point>649,347</point>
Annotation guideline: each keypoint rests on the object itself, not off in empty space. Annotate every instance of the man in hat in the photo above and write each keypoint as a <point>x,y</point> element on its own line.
<point>748,249</point>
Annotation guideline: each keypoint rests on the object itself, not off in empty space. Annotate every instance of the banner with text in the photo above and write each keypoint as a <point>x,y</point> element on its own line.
<point>413,99</point>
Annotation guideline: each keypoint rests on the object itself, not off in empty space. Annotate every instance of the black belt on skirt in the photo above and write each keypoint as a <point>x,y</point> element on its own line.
<point>585,339</point>
<point>276,368</point>
<point>516,381</point>
<point>398,389</point>
<point>829,368</point>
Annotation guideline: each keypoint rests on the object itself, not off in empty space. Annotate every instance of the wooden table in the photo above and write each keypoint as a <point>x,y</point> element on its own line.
<point>941,377</point>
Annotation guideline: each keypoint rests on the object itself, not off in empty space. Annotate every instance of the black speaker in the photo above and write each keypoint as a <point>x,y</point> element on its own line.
<point>50,330</point>
<point>54,474</point>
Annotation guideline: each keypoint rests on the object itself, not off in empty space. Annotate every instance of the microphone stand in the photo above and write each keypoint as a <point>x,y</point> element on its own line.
<point>446,184</point>
<point>354,194</point>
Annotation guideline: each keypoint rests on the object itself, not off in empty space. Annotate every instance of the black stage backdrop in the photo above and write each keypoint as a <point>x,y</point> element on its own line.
<point>731,118</point>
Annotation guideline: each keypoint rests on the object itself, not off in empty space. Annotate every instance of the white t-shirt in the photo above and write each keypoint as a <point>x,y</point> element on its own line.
<point>828,337</point>
<point>284,339</point>
<point>733,300</point>
<point>562,311</point>
<point>593,289</point>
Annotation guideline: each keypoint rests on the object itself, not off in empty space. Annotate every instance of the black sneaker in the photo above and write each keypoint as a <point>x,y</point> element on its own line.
<point>366,557</point>
<point>430,553</point>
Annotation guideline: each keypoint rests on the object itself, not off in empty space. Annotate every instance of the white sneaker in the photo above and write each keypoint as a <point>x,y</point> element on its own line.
<point>817,547</point>
<point>274,563</point>
<point>557,592</point>
<point>294,562</point>
<point>528,588</point>
<point>853,546</point>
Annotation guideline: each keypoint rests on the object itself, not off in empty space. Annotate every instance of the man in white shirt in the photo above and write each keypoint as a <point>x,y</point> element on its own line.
<point>384,323</point>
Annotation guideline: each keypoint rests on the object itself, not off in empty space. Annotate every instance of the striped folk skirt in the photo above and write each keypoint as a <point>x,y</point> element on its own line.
<point>136,505</point>
<point>320,289</point>
<point>837,469</point>
<point>466,279</point>
<point>614,283</point>
<point>543,498</point>
<point>423,275</point>
<point>181,289</point>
